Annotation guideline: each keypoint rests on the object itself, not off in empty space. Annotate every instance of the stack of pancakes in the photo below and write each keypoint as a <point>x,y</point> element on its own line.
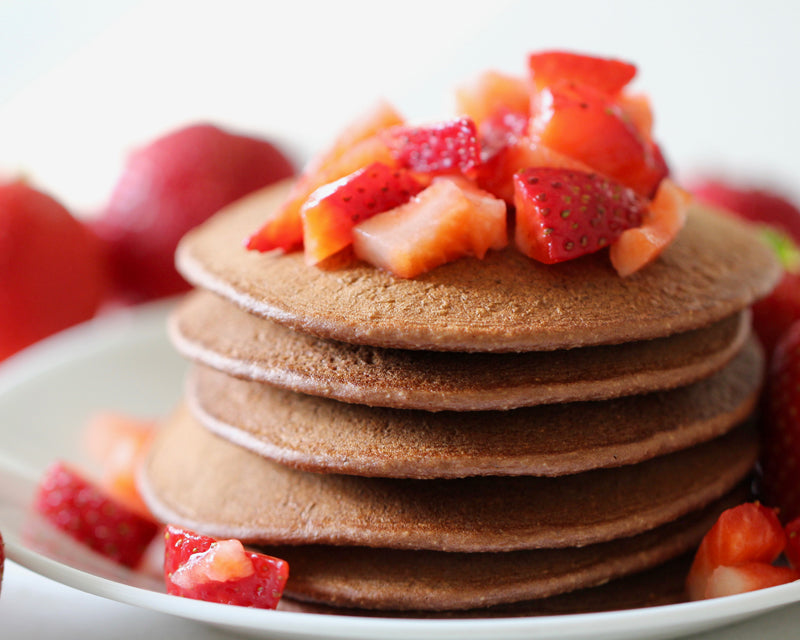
<point>492,437</point>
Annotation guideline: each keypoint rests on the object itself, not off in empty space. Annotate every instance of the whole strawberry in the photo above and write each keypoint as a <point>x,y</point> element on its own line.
<point>170,186</point>
<point>781,427</point>
<point>52,272</point>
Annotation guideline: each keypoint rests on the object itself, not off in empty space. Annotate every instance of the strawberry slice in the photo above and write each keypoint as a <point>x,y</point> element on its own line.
<point>792,550</point>
<point>85,512</point>
<point>563,214</point>
<point>356,147</point>
<point>492,93</point>
<point>604,74</point>
<point>586,125</point>
<point>663,220</point>
<point>450,219</point>
<point>747,533</point>
<point>332,211</point>
<point>202,568</point>
<point>749,576</point>
<point>781,427</point>
<point>443,147</point>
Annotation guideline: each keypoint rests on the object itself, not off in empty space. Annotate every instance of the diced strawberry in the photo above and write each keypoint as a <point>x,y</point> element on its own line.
<point>492,93</point>
<point>200,567</point>
<point>604,74</point>
<point>749,532</point>
<point>749,576</point>
<point>119,443</point>
<point>356,147</point>
<point>448,220</point>
<point>332,211</point>
<point>444,147</point>
<point>637,110</point>
<point>662,221</point>
<point>792,550</point>
<point>85,512</point>
<point>780,427</point>
<point>563,214</point>
<point>588,126</point>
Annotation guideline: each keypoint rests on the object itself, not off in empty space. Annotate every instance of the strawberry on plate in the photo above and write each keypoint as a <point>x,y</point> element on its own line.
<point>200,567</point>
<point>748,576</point>
<point>780,427</point>
<point>746,534</point>
<point>563,214</point>
<point>85,512</point>
<point>604,74</point>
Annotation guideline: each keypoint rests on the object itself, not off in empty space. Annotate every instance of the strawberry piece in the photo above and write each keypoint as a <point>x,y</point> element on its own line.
<point>780,427</point>
<point>563,214</point>
<point>792,550</point>
<point>52,269</point>
<point>200,567</point>
<point>636,109</point>
<point>332,211</point>
<point>749,576</point>
<point>603,74</point>
<point>354,148</point>
<point>450,219</point>
<point>443,147</point>
<point>662,221</point>
<point>119,443</point>
<point>588,126</point>
<point>493,93</point>
<point>85,512</point>
<point>749,532</point>
<point>171,185</point>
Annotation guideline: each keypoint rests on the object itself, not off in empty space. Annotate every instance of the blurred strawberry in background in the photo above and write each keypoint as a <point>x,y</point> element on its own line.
<point>169,186</point>
<point>780,221</point>
<point>52,272</point>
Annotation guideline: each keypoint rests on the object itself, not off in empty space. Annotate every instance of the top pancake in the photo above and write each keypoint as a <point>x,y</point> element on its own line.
<point>506,302</point>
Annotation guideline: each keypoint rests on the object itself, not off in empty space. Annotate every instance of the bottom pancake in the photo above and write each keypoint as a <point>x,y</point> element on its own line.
<point>201,481</point>
<point>431,580</point>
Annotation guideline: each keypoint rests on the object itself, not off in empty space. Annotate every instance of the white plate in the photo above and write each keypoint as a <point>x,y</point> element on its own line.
<point>124,362</point>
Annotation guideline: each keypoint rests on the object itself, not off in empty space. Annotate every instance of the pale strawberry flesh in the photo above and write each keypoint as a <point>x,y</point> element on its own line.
<point>750,576</point>
<point>86,513</point>
<point>262,588</point>
<point>445,147</point>
<point>563,214</point>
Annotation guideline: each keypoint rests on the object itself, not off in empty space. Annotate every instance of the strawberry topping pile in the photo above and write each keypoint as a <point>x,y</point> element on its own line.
<point>563,151</point>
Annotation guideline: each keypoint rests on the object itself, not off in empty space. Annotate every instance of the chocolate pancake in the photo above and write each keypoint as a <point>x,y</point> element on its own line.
<point>505,302</point>
<point>199,480</point>
<point>398,580</point>
<point>210,330</point>
<point>321,435</point>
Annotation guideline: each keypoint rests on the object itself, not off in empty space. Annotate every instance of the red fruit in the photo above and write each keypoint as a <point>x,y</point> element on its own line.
<point>661,223</point>
<point>564,214</point>
<point>448,220</point>
<point>792,550</point>
<point>750,576</point>
<point>750,532</point>
<point>586,125</point>
<point>754,204</point>
<point>170,186</point>
<point>52,271</point>
<point>773,315</point>
<point>444,147</point>
<point>83,511</point>
<point>493,93</point>
<point>780,428</point>
<point>203,568</point>
<point>604,74</point>
<point>332,211</point>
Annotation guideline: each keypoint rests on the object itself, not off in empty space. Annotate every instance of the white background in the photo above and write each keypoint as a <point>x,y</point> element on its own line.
<point>82,82</point>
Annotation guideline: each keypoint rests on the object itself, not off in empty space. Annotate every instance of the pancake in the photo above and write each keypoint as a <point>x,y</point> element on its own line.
<point>430,580</point>
<point>321,435</point>
<point>203,482</point>
<point>659,586</point>
<point>216,333</point>
<point>505,302</point>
